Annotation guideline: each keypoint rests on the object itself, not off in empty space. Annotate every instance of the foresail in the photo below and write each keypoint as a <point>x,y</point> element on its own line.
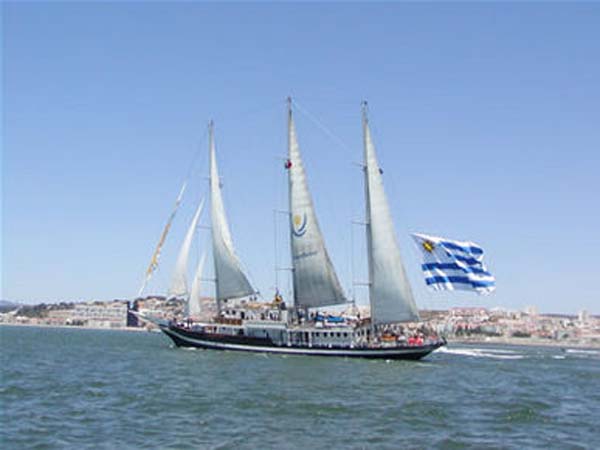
<point>179,287</point>
<point>315,281</point>
<point>193,305</point>
<point>231,281</point>
<point>389,289</point>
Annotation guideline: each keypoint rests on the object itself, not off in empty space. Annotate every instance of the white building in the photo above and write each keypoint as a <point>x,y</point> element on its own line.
<point>102,315</point>
<point>583,316</point>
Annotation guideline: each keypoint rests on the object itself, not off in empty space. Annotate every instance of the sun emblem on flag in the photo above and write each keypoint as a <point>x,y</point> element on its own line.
<point>428,246</point>
<point>299,224</point>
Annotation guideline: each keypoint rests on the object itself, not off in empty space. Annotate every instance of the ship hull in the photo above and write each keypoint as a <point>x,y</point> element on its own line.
<point>185,338</point>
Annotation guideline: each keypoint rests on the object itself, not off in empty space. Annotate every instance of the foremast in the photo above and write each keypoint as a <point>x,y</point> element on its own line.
<point>390,294</point>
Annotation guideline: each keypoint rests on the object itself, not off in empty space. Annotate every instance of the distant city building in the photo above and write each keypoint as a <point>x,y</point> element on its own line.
<point>531,311</point>
<point>469,323</point>
<point>102,315</point>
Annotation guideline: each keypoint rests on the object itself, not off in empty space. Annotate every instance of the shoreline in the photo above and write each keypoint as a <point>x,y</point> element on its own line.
<point>517,342</point>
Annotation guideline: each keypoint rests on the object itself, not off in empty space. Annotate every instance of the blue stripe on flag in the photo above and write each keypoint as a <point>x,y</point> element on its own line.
<point>454,266</point>
<point>470,261</point>
<point>467,249</point>
<point>461,280</point>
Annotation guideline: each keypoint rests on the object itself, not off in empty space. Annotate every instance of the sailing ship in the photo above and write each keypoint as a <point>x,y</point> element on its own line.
<point>277,328</point>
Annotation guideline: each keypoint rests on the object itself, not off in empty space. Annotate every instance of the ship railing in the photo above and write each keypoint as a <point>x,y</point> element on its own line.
<point>228,321</point>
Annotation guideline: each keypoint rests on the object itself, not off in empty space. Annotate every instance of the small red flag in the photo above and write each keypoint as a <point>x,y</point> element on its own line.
<point>288,164</point>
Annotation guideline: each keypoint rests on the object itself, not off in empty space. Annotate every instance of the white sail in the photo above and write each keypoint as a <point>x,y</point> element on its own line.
<point>231,281</point>
<point>390,294</point>
<point>315,281</point>
<point>179,287</point>
<point>193,305</point>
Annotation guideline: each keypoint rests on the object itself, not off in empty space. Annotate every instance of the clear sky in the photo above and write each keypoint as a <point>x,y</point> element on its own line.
<point>486,118</point>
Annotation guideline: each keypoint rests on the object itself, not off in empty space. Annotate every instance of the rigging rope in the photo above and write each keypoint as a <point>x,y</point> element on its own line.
<point>323,128</point>
<point>153,265</point>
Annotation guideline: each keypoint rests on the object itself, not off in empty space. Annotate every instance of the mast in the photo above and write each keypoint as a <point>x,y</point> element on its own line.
<point>230,280</point>
<point>315,281</point>
<point>390,294</point>
<point>288,166</point>
<point>365,122</point>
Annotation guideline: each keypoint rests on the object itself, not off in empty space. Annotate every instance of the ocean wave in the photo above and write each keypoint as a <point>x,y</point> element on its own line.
<point>583,352</point>
<point>482,353</point>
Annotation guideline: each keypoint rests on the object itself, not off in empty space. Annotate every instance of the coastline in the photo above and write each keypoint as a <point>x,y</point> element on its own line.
<point>511,341</point>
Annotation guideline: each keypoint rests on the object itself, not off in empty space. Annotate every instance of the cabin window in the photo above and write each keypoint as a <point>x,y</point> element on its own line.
<point>339,334</point>
<point>345,334</point>
<point>317,334</point>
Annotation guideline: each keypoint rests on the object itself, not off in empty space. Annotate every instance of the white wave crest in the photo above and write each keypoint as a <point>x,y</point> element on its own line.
<point>583,352</point>
<point>482,353</point>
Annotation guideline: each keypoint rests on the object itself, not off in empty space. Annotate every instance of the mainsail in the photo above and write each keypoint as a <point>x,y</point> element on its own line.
<point>179,286</point>
<point>231,281</point>
<point>315,281</point>
<point>193,305</point>
<point>389,290</point>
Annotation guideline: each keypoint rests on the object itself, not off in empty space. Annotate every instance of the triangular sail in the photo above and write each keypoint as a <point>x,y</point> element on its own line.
<point>193,305</point>
<point>315,281</point>
<point>231,281</point>
<point>389,289</point>
<point>179,287</point>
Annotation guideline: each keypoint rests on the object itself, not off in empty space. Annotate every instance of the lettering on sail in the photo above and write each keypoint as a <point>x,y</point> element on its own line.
<point>305,255</point>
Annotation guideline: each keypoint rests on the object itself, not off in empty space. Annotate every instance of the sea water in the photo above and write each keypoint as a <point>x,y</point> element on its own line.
<point>77,388</point>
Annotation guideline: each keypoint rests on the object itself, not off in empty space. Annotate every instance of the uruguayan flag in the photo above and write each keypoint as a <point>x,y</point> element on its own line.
<point>451,265</point>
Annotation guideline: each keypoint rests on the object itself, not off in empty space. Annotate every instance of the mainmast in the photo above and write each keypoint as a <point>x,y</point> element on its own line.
<point>288,166</point>
<point>365,124</point>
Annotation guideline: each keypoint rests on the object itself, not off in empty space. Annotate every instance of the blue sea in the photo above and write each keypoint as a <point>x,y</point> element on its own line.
<point>77,388</point>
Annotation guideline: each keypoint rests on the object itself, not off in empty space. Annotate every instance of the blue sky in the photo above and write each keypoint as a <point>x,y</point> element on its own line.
<point>485,116</point>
